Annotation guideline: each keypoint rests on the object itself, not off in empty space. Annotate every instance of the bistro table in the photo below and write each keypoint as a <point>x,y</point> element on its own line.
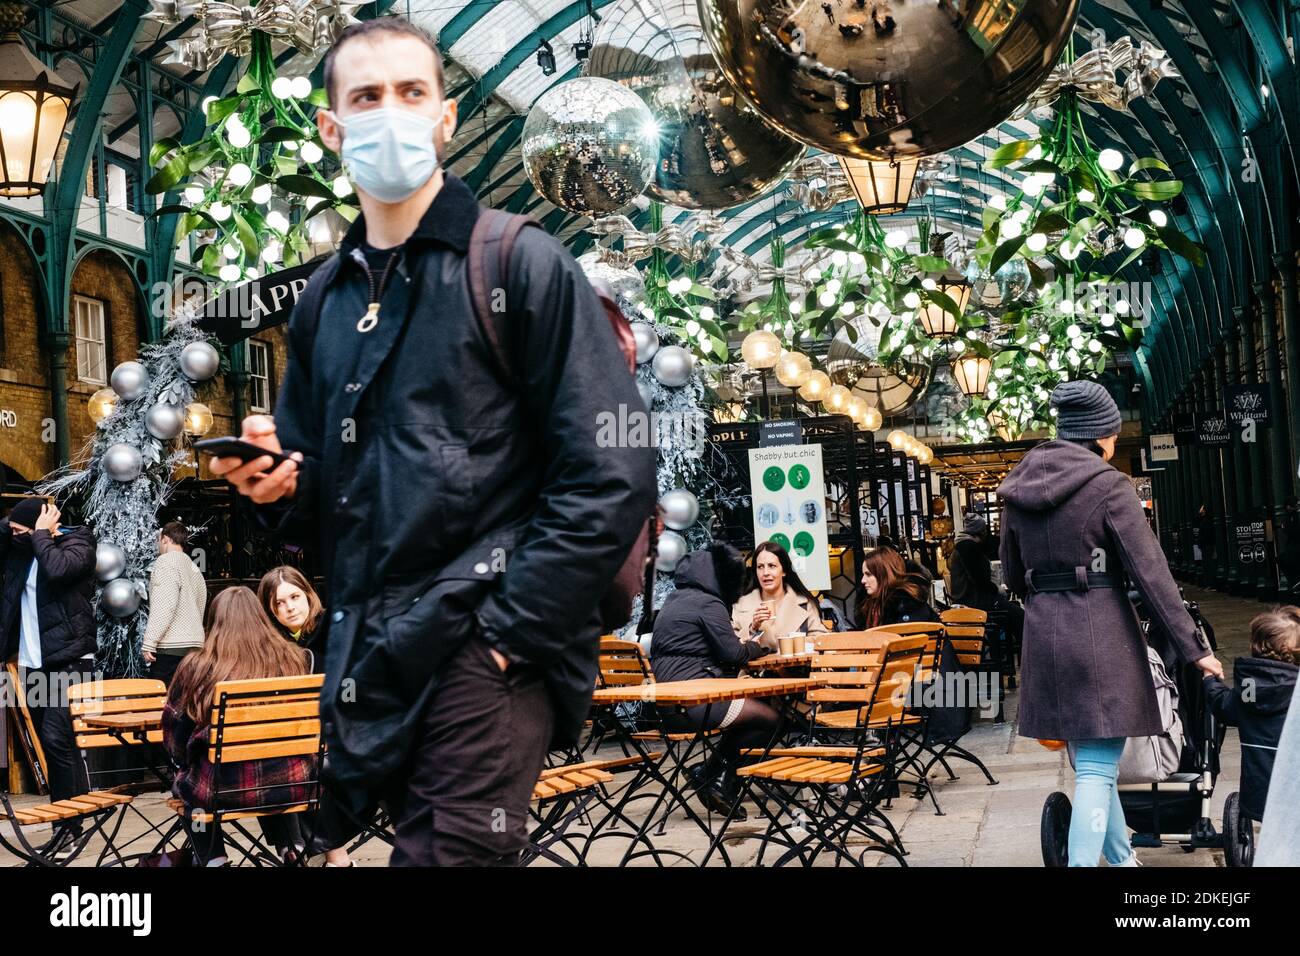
<point>668,766</point>
<point>780,662</point>
<point>132,729</point>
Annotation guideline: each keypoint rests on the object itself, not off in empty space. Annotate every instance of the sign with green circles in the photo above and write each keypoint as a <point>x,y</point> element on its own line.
<point>787,486</point>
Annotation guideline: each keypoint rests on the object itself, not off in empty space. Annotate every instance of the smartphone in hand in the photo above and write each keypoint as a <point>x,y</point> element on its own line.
<point>229,447</point>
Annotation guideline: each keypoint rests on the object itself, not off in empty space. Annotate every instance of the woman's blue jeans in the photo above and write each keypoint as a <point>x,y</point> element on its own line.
<point>1097,821</point>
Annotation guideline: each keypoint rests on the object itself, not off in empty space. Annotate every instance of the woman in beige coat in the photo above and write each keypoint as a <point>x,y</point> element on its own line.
<point>777,601</point>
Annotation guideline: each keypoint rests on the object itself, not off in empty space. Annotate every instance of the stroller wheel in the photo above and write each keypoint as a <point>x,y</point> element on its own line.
<point>1238,834</point>
<point>1055,830</point>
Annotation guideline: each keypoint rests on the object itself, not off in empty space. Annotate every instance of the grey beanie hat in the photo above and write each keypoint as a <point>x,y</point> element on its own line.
<point>1085,410</point>
<point>974,524</point>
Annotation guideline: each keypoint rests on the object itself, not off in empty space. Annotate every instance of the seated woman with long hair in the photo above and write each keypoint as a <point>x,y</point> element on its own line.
<point>693,638</point>
<point>240,645</point>
<point>892,594</point>
<point>292,604</point>
<point>777,600</point>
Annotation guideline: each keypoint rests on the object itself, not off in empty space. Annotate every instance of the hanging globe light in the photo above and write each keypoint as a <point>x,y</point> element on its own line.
<point>761,349</point>
<point>897,439</point>
<point>837,400</point>
<point>926,455</point>
<point>872,420</point>
<point>101,404</point>
<point>816,387</point>
<point>793,369</point>
<point>34,105</point>
<point>198,419</point>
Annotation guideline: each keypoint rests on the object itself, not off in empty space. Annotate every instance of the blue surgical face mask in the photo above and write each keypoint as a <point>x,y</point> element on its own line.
<point>389,152</point>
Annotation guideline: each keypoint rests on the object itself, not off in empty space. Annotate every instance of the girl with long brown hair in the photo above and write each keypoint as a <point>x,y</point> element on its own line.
<point>891,595</point>
<point>241,644</point>
<point>292,604</point>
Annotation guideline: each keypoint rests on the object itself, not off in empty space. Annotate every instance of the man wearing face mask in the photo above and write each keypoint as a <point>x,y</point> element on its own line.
<point>463,637</point>
<point>47,622</point>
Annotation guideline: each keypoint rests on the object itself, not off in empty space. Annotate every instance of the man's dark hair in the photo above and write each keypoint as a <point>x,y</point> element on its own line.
<point>390,24</point>
<point>177,533</point>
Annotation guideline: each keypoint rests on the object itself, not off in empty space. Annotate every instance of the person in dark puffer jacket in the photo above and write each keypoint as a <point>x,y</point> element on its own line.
<point>1257,704</point>
<point>48,623</point>
<point>693,639</point>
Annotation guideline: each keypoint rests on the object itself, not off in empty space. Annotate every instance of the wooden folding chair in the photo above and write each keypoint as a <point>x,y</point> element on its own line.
<point>816,797</point>
<point>913,728</point>
<point>966,636</point>
<point>261,719</point>
<point>97,698</point>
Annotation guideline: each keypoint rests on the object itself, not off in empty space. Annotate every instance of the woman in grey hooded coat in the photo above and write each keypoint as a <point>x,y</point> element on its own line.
<point>1073,538</point>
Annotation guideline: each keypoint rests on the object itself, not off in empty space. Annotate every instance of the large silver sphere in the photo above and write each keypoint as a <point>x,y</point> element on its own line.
<point>199,361</point>
<point>672,548</point>
<point>681,508</point>
<point>590,145</point>
<point>714,151</point>
<point>120,598</point>
<point>647,341</point>
<point>129,380</point>
<point>673,366</point>
<point>110,561</point>
<point>164,421</point>
<point>122,462</point>
<point>905,78</point>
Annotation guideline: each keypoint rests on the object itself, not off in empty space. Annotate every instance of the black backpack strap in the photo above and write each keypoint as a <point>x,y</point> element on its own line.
<point>487,269</point>
<point>311,299</point>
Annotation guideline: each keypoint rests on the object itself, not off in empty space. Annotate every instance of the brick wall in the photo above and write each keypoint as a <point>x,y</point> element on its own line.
<point>24,363</point>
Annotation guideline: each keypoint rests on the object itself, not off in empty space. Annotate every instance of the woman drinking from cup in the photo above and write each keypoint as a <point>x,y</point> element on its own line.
<point>777,603</point>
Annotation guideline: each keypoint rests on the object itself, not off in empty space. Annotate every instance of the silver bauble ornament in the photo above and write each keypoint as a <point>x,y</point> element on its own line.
<point>647,341</point>
<point>673,366</point>
<point>119,598</point>
<point>715,152</point>
<point>681,508</point>
<point>110,561</point>
<point>878,79</point>
<point>672,548</point>
<point>164,421</point>
<point>625,284</point>
<point>647,391</point>
<point>199,361</point>
<point>122,462</point>
<point>590,146</point>
<point>129,380</point>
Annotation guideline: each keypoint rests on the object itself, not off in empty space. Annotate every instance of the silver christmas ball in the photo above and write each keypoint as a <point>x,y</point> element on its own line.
<point>647,341</point>
<point>129,380</point>
<point>673,366</point>
<point>590,145</point>
<point>164,421</point>
<point>199,361</point>
<point>672,548</point>
<point>871,79</point>
<point>647,391</point>
<point>122,462</point>
<point>120,598</point>
<point>110,561</point>
<point>681,508</point>
<point>625,284</point>
<point>715,152</point>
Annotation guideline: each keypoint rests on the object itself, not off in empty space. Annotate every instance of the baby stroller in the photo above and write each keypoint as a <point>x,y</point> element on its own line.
<point>1174,810</point>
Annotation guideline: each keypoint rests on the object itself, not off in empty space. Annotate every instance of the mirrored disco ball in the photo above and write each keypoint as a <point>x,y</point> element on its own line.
<point>714,150</point>
<point>590,145</point>
<point>867,79</point>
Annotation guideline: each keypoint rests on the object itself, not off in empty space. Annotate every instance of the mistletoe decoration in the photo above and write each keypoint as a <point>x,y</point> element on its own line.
<point>257,176</point>
<point>680,302</point>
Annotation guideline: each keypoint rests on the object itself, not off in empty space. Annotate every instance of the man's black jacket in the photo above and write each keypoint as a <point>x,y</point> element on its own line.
<point>451,504</point>
<point>65,586</point>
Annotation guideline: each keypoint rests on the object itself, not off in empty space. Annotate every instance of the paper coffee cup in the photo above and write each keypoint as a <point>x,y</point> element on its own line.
<point>788,645</point>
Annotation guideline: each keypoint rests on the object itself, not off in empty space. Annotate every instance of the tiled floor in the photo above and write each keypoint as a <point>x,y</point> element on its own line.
<point>982,825</point>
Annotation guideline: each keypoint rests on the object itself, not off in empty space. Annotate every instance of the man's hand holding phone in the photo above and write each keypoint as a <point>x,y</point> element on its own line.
<point>251,478</point>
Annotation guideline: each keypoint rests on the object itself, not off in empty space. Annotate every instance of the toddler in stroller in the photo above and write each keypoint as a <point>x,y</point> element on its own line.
<point>1257,704</point>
